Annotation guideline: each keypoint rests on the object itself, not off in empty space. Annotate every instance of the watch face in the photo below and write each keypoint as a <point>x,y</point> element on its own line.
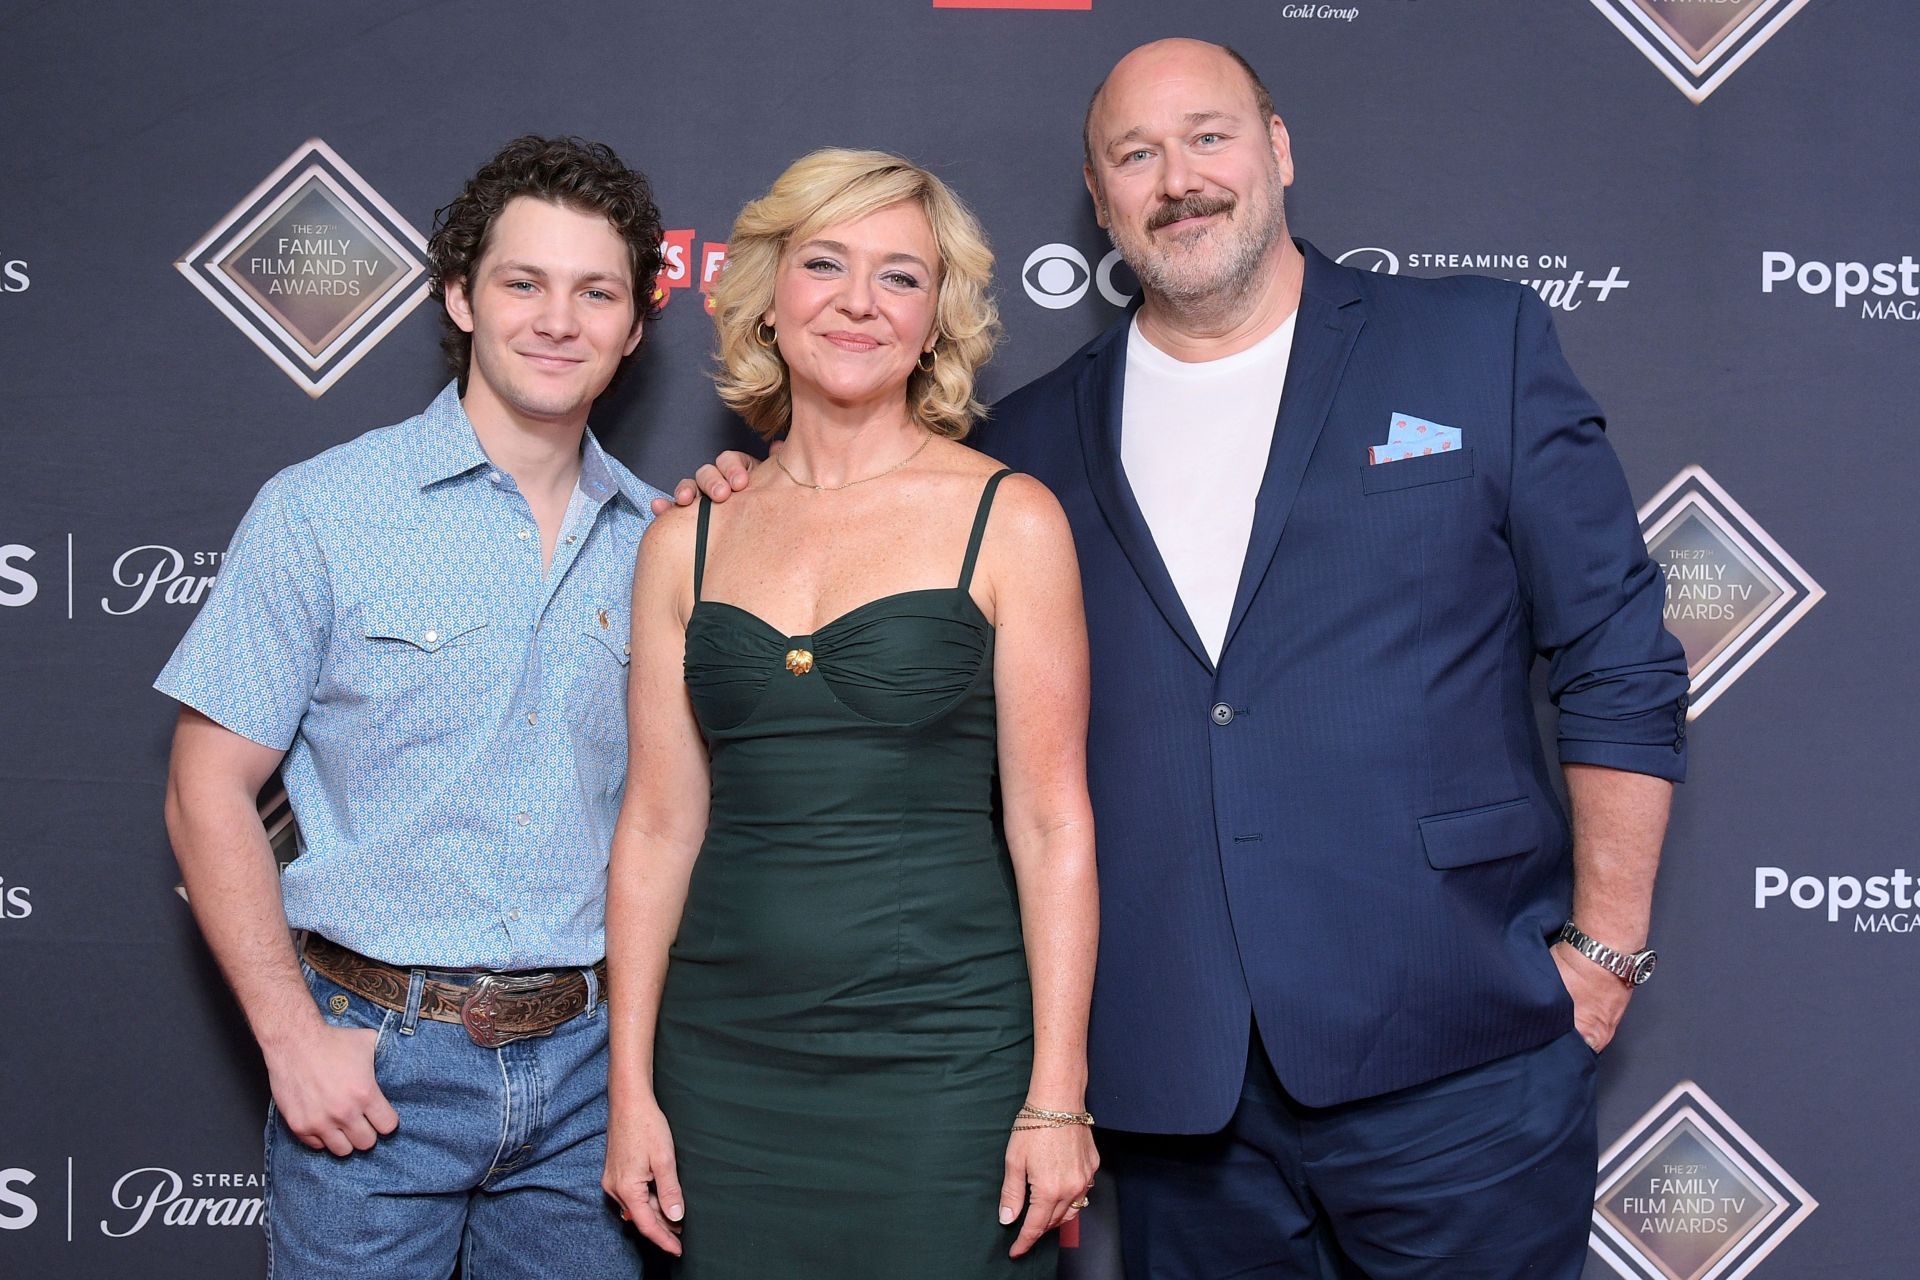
<point>1643,967</point>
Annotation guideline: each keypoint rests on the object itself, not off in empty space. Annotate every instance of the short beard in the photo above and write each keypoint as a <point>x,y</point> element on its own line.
<point>1224,278</point>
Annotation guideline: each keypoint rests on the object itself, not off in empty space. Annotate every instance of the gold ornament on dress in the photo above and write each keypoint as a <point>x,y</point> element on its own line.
<point>799,661</point>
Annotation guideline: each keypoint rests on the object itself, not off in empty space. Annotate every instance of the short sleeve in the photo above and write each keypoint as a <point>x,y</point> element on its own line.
<point>251,659</point>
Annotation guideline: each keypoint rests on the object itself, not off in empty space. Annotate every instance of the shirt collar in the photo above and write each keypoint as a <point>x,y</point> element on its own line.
<point>447,447</point>
<point>598,480</point>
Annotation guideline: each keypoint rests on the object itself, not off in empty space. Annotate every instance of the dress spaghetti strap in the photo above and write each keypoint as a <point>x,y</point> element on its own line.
<point>979,528</point>
<point>700,545</point>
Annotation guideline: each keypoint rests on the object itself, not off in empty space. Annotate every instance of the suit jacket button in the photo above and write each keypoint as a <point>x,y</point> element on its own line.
<point>1222,713</point>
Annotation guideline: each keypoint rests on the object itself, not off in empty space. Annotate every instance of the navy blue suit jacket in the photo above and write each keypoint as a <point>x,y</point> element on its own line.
<point>1346,828</point>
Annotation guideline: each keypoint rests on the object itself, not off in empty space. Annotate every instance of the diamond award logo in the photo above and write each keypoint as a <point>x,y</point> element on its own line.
<point>1698,43</point>
<point>1731,590</point>
<point>1685,1194</point>
<point>314,266</point>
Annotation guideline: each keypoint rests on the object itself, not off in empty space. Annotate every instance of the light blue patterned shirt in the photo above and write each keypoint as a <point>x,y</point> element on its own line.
<point>454,718</point>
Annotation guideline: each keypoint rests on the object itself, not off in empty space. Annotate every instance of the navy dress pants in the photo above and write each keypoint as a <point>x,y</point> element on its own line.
<point>1485,1174</point>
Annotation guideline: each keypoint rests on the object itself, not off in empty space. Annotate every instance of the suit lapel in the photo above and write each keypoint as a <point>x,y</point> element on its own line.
<point>1329,320</point>
<point>1098,395</point>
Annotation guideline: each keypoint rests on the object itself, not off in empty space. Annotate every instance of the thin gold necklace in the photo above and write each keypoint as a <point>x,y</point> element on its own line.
<point>835,488</point>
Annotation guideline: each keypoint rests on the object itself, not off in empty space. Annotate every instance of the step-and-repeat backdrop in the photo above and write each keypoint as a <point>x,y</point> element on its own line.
<point>1716,197</point>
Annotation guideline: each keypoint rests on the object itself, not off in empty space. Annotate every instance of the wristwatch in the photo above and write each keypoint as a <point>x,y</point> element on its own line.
<point>1631,969</point>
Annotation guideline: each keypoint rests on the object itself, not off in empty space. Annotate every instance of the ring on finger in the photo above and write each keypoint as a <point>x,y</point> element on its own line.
<point>1081,1203</point>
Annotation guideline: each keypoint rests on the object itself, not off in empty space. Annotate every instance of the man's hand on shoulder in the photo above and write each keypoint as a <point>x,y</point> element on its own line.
<point>720,479</point>
<point>323,1086</point>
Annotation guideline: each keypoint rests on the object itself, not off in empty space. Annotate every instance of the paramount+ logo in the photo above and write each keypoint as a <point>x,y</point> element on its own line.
<point>148,1197</point>
<point>152,573</point>
<point>1885,290</point>
<point>1560,284</point>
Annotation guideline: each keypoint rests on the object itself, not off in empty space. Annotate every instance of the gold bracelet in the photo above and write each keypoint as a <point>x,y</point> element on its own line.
<point>1049,1119</point>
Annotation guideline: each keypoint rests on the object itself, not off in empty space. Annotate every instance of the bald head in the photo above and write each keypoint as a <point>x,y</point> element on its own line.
<point>1173,57</point>
<point>1188,168</point>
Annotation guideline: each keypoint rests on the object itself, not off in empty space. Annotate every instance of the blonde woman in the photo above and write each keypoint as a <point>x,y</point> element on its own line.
<point>849,991</point>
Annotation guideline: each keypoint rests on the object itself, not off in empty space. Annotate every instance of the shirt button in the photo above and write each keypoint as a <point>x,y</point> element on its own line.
<point>514,914</point>
<point>523,818</point>
<point>524,535</point>
<point>571,539</point>
<point>431,637</point>
<point>1222,713</point>
<point>533,717</point>
<point>494,476</point>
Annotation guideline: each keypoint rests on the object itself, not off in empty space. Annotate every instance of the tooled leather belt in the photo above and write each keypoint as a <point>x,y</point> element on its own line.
<point>495,1008</point>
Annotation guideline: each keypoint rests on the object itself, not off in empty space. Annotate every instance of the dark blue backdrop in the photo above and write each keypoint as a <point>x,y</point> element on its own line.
<point>1698,185</point>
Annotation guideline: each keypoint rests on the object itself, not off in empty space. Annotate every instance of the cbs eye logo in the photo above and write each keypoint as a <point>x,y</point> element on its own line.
<point>1057,275</point>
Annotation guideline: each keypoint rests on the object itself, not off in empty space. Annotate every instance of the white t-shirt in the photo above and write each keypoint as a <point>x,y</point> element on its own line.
<point>1194,440</point>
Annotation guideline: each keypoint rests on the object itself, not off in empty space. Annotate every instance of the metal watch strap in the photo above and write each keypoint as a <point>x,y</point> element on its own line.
<point>1630,969</point>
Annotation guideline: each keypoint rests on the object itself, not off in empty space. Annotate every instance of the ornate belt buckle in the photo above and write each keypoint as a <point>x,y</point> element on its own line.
<point>478,1012</point>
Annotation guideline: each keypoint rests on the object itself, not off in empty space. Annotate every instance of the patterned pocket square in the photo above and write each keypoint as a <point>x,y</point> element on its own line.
<point>1412,437</point>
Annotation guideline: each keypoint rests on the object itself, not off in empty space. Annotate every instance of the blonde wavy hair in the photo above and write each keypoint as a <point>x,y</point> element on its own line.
<point>823,189</point>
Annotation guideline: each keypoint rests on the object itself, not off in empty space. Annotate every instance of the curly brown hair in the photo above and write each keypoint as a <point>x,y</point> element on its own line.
<point>582,175</point>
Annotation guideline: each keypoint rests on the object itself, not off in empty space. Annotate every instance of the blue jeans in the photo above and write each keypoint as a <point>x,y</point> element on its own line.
<point>496,1163</point>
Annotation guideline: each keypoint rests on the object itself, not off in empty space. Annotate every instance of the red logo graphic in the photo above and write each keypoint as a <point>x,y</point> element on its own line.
<point>681,267</point>
<point>1013,4</point>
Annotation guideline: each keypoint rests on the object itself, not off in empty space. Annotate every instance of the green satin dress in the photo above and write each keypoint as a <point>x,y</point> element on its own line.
<point>847,1028</point>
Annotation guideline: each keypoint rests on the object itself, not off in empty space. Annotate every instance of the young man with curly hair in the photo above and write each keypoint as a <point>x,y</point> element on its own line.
<point>429,625</point>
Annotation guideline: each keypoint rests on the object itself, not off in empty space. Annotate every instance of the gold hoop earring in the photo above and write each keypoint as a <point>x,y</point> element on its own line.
<point>772,337</point>
<point>931,358</point>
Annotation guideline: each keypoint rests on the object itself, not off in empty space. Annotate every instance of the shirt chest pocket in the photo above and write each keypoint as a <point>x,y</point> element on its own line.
<point>597,691</point>
<point>421,668</point>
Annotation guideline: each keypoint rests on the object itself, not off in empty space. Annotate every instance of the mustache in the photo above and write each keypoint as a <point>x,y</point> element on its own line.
<point>1190,207</point>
